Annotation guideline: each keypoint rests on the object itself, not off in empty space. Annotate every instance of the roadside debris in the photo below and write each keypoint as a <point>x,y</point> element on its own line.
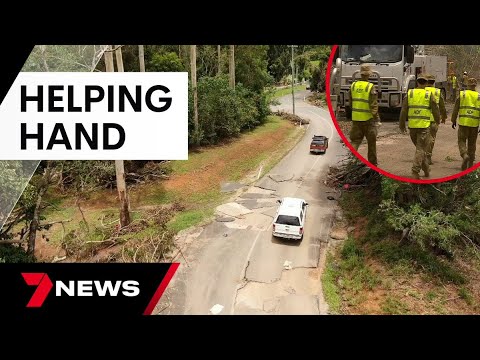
<point>287,265</point>
<point>216,309</point>
<point>57,259</point>
<point>293,118</point>
<point>351,173</point>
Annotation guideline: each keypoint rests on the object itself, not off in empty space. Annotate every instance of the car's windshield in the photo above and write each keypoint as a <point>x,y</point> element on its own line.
<point>318,142</point>
<point>372,53</point>
<point>288,220</point>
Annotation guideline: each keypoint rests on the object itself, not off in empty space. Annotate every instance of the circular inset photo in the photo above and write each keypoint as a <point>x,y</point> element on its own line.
<point>411,112</point>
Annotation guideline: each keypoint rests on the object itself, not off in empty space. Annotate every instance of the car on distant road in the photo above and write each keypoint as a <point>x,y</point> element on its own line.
<point>319,144</point>
<point>289,220</point>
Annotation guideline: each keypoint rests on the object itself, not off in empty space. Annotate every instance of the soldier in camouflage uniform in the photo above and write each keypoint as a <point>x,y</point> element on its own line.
<point>443,114</point>
<point>468,106</point>
<point>418,107</point>
<point>365,118</point>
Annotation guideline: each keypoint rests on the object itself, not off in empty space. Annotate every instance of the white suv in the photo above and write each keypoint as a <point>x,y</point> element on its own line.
<point>289,221</point>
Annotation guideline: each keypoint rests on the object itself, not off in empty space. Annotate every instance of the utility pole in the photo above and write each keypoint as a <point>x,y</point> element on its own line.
<point>293,80</point>
<point>193,77</point>
<point>231,66</point>
<point>119,165</point>
<point>219,50</point>
<point>141,57</point>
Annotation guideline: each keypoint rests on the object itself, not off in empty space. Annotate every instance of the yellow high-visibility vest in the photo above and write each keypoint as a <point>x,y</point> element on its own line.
<point>419,111</point>
<point>436,95</point>
<point>360,91</point>
<point>469,114</point>
<point>454,81</point>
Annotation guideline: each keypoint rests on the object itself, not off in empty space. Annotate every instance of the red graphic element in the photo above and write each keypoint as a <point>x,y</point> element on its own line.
<point>44,286</point>
<point>161,288</point>
<point>365,161</point>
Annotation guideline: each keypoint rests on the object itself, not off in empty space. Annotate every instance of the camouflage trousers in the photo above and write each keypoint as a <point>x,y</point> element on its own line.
<point>420,138</point>
<point>431,139</point>
<point>365,129</point>
<point>467,142</point>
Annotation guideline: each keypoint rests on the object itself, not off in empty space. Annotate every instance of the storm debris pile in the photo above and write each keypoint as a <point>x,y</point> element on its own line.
<point>292,118</point>
<point>351,172</point>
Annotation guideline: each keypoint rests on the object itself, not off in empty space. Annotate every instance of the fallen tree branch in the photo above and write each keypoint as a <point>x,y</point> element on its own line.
<point>13,241</point>
<point>55,222</point>
<point>83,216</point>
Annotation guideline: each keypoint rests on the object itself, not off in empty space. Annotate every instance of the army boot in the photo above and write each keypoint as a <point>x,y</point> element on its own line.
<point>470,163</point>
<point>415,175</point>
<point>465,162</point>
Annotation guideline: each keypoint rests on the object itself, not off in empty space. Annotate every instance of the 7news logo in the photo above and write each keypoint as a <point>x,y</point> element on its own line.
<point>80,288</point>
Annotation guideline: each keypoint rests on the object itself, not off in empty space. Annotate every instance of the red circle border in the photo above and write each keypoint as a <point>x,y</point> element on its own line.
<point>365,161</point>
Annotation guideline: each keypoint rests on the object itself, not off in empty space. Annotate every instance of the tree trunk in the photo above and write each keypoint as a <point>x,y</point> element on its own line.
<point>108,54</point>
<point>122,193</point>
<point>32,232</point>
<point>231,66</point>
<point>219,50</point>
<point>119,165</point>
<point>193,75</point>
<point>119,57</point>
<point>44,58</point>
<point>141,57</point>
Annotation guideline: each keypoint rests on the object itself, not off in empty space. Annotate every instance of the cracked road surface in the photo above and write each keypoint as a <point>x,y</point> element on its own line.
<point>237,263</point>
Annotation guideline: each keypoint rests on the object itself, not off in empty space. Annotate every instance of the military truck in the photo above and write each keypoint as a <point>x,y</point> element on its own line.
<point>394,67</point>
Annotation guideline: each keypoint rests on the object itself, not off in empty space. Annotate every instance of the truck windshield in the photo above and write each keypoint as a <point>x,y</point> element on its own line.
<point>372,53</point>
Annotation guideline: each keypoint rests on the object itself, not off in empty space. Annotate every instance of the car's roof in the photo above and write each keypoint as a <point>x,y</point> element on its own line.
<point>290,206</point>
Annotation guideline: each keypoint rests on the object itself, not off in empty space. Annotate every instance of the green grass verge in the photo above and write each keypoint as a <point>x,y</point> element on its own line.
<point>288,91</point>
<point>186,219</point>
<point>331,291</point>
<point>413,257</point>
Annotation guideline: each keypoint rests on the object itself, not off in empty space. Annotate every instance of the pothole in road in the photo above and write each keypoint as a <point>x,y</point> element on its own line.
<point>297,291</point>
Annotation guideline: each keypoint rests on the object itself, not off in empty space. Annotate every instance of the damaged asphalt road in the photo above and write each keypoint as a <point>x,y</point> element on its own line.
<point>236,263</point>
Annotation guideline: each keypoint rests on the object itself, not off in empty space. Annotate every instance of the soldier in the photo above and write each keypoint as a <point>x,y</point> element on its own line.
<point>464,80</point>
<point>468,106</point>
<point>418,107</point>
<point>443,114</point>
<point>365,117</point>
<point>452,86</point>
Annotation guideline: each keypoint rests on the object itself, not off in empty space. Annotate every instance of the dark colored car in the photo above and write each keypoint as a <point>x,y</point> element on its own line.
<point>319,144</point>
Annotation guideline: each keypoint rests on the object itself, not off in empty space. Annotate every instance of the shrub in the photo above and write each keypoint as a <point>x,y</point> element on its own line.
<point>224,112</point>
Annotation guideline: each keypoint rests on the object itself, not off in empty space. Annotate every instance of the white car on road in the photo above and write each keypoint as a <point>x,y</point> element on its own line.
<point>289,221</point>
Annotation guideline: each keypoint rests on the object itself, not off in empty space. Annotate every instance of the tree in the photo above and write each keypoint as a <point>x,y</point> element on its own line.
<point>193,74</point>
<point>252,66</point>
<point>219,50</point>
<point>168,62</point>
<point>35,223</point>
<point>119,165</point>
<point>231,66</point>
<point>141,57</point>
